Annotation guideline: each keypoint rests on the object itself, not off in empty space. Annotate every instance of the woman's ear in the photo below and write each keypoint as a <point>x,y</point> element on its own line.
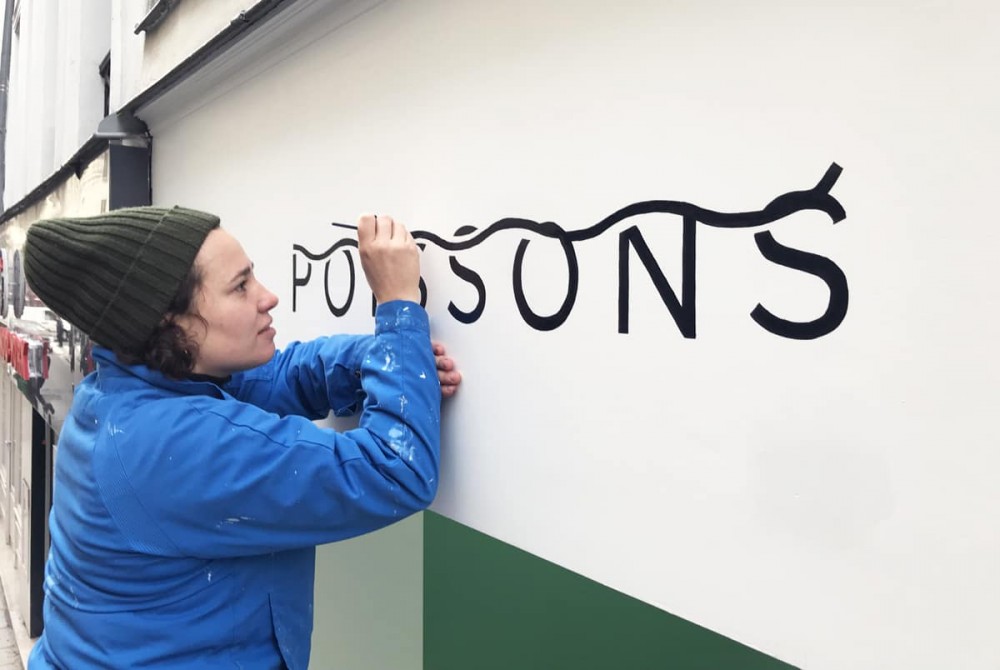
<point>193,325</point>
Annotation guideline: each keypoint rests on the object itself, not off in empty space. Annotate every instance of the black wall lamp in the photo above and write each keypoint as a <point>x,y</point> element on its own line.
<point>122,126</point>
<point>129,152</point>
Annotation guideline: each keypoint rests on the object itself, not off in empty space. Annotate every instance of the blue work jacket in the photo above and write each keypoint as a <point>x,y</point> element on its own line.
<point>185,514</point>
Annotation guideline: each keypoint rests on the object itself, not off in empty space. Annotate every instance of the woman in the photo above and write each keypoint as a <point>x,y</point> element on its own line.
<point>191,485</point>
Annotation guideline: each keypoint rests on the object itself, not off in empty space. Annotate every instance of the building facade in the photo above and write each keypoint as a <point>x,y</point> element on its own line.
<point>718,278</point>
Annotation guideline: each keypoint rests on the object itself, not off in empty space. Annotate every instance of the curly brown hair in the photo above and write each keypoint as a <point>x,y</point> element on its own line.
<point>170,349</point>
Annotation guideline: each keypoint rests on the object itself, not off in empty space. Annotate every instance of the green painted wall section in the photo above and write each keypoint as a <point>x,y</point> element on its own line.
<point>491,606</point>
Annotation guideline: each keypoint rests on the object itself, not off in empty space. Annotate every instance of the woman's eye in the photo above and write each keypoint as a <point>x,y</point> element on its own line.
<point>242,286</point>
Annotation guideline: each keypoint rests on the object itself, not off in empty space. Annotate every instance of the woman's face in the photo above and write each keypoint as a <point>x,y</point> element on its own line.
<point>236,333</point>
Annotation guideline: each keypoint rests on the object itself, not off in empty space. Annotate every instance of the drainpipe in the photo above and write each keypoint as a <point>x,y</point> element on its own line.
<point>8,30</point>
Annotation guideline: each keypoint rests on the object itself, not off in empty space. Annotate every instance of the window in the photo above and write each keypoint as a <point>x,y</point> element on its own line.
<point>104,69</point>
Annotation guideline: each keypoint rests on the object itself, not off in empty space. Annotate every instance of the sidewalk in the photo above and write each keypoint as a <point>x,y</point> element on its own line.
<point>10,657</point>
<point>15,645</point>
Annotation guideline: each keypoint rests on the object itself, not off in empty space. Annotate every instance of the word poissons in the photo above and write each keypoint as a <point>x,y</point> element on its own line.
<point>630,243</point>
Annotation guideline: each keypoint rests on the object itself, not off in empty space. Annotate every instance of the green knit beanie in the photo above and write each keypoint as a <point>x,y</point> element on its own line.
<point>114,275</point>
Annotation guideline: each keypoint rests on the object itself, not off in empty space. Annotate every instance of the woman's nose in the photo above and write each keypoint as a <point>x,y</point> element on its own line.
<point>268,301</point>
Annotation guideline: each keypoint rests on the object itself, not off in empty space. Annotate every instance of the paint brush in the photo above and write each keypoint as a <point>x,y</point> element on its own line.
<point>344,225</point>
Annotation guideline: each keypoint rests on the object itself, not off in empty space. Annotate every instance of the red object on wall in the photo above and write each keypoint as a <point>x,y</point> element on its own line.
<point>19,353</point>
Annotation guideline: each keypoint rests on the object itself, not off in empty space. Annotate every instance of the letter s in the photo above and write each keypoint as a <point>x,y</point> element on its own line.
<point>819,266</point>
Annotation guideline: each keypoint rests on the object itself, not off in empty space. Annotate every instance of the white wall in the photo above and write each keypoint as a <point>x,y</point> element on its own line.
<point>14,164</point>
<point>56,93</point>
<point>126,50</point>
<point>84,40</point>
<point>145,58</point>
<point>38,75</point>
<point>831,501</point>
<point>191,24</point>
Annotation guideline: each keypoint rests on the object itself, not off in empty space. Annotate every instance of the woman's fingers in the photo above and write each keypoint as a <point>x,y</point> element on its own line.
<point>367,228</point>
<point>390,263</point>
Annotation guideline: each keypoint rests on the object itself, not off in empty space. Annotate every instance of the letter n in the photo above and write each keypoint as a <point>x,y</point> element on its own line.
<point>682,310</point>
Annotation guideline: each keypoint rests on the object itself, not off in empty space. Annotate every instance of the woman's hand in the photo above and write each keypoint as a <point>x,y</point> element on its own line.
<point>390,258</point>
<point>449,377</point>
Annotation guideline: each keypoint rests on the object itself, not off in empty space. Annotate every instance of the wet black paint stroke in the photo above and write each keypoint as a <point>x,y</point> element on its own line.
<point>817,198</point>
<point>346,242</point>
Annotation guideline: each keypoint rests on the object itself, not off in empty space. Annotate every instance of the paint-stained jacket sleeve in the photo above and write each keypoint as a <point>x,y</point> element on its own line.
<point>310,379</point>
<point>218,477</point>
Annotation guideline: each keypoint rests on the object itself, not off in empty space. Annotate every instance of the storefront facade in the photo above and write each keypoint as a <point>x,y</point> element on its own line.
<point>717,413</point>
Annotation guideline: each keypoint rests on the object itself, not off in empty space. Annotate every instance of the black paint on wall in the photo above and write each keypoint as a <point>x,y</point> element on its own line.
<point>683,309</point>
<point>813,264</point>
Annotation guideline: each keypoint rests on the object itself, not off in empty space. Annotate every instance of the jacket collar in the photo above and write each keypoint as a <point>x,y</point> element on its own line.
<point>107,361</point>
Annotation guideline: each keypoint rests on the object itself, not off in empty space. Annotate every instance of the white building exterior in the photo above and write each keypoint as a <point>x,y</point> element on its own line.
<point>716,430</point>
